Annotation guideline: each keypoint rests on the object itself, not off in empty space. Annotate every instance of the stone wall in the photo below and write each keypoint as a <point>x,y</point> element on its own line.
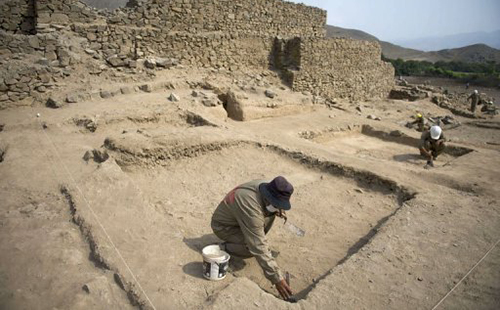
<point>64,12</point>
<point>47,47</point>
<point>217,50</point>
<point>337,68</point>
<point>256,17</point>
<point>17,16</point>
<point>33,63</point>
<point>232,34</point>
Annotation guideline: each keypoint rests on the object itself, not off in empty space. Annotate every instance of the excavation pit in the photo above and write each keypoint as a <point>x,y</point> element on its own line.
<point>338,208</point>
<point>366,142</point>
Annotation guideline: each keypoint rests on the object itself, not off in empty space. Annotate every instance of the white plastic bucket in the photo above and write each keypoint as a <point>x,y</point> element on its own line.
<point>215,262</point>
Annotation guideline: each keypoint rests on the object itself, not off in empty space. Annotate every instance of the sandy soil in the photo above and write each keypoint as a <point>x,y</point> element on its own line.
<point>381,232</point>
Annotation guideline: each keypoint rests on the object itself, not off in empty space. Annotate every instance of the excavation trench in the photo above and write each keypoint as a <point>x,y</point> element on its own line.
<point>96,256</point>
<point>339,208</point>
<point>365,141</point>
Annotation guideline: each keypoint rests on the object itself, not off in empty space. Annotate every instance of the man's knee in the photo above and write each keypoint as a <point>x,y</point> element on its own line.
<point>423,151</point>
<point>440,148</point>
<point>237,249</point>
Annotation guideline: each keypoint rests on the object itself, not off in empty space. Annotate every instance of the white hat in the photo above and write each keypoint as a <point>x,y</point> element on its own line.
<point>475,91</point>
<point>435,132</point>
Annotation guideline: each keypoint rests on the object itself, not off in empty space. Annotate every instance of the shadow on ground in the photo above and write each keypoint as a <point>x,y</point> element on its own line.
<point>197,244</point>
<point>409,158</point>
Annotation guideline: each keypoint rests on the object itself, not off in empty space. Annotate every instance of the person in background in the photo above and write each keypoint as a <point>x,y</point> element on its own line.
<point>475,98</point>
<point>432,144</point>
<point>489,108</point>
<point>420,121</point>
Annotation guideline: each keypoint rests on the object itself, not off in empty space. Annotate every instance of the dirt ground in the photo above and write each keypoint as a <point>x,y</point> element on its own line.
<point>81,230</point>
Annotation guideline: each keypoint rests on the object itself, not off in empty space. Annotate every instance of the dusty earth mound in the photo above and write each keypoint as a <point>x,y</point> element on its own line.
<point>106,203</point>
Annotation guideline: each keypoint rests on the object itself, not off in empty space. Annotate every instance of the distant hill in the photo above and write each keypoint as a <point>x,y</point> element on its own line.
<point>453,41</point>
<point>388,49</point>
<point>337,32</point>
<point>472,53</point>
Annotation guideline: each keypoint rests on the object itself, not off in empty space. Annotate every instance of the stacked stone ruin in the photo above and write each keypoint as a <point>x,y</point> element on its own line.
<point>230,34</point>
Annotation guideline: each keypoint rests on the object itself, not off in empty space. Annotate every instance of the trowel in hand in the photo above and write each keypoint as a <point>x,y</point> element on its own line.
<point>295,229</point>
<point>291,227</point>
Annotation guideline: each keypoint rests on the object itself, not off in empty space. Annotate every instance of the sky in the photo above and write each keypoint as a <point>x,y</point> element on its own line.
<point>396,20</point>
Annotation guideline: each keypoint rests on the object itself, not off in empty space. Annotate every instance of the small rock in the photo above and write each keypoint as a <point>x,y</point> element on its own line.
<point>115,61</point>
<point>43,62</point>
<point>53,103</point>
<point>126,90</point>
<point>420,279</point>
<point>86,288</point>
<point>174,98</point>
<point>87,156</point>
<point>165,62</point>
<point>105,94</point>
<point>359,190</point>
<point>76,97</point>
<point>270,94</point>
<point>371,116</point>
<point>97,155</point>
<point>150,63</point>
<point>359,108</point>
<point>146,88</point>
<point>209,102</point>
<point>132,64</point>
<point>194,93</point>
<point>100,156</point>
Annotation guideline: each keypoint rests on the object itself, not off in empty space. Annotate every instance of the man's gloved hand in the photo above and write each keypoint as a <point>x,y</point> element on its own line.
<point>284,290</point>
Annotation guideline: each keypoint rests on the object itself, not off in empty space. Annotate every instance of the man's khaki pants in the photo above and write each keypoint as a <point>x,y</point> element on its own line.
<point>234,239</point>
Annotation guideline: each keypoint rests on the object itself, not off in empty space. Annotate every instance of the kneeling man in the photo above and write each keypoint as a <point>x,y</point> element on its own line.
<point>244,218</point>
<point>432,144</point>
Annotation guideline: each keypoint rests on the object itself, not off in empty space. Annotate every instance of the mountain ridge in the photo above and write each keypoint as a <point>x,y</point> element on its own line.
<point>476,53</point>
<point>491,39</point>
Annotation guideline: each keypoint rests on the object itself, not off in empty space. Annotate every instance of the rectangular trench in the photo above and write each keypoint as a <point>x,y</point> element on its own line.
<point>339,208</point>
<point>366,142</point>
